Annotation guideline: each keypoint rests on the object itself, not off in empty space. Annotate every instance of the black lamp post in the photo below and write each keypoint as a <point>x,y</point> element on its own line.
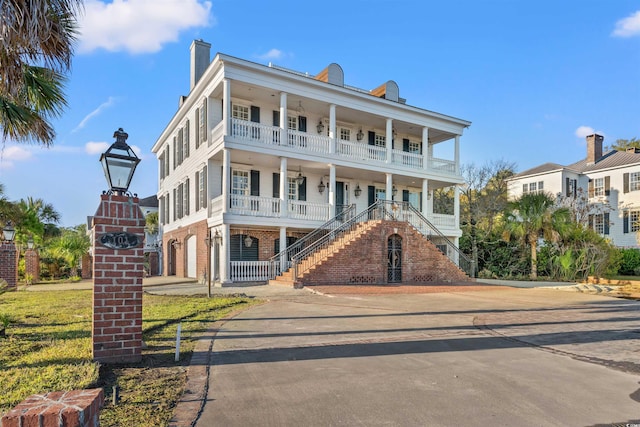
<point>119,163</point>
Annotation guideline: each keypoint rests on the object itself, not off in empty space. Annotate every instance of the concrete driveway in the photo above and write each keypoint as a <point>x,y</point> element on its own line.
<point>525,357</point>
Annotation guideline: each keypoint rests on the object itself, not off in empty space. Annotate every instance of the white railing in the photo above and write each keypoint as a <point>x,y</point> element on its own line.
<point>308,142</point>
<point>254,205</point>
<point>250,271</point>
<point>273,135</point>
<point>412,160</point>
<point>441,165</point>
<point>361,151</point>
<point>443,221</point>
<point>255,132</point>
<point>307,210</point>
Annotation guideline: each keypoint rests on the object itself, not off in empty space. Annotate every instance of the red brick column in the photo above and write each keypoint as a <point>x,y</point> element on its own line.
<point>87,266</point>
<point>117,282</point>
<point>32,264</point>
<point>77,408</point>
<point>154,264</point>
<point>9,264</point>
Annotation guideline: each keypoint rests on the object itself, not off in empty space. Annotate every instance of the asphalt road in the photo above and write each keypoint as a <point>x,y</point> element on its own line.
<point>512,357</point>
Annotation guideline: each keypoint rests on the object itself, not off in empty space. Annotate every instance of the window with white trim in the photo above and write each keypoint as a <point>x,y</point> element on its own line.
<point>161,163</point>
<point>345,134</point>
<point>180,147</point>
<point>533,187</point>
<point>202,122</point>
<point>525,188</point>
<point>292,122</point>
<point>598,223</point>
<point>240,183</point>
<point>202,188</point>
<point>240,112</point>
<point>598,187</point>
<point>292,188</point>
<point>634,221</point>
<point>414,147</point>
<point>380,140</point>
<point>634,181</point>
<point>185,197</point>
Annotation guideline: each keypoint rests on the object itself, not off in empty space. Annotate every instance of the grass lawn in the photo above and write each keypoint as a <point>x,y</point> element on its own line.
<point>47,347</point>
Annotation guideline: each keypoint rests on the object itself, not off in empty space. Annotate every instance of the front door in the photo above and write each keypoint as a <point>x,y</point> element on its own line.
<point>340,204</point>
<point>394,254</point>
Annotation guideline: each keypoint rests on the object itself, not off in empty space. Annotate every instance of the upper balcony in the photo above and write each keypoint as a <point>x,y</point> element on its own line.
<point>261,135</point>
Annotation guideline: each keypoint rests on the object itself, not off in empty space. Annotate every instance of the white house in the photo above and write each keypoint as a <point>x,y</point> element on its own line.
<point>257,156</point>
<point>609,183</point>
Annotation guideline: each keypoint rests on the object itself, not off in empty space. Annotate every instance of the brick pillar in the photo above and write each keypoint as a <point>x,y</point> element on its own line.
<point>154,264</point>
<point>9,264</point>
<point>77,408</point>
<point>87,266</point>
<point>32,265</point>
<point>117,282</point>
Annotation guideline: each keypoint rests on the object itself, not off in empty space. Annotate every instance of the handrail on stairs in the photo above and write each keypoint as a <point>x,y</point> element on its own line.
<point>311,246</point>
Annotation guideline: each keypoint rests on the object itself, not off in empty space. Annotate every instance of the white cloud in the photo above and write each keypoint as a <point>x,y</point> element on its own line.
<point>11,154</point>
<point>139,26</point>
<point>584,131</point>
<point>272,54</point>
<point>628,27</point>
<point>108,103</point>
<point>96,147</point>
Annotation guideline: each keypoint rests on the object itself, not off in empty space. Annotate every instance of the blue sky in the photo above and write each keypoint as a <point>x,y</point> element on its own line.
<point>533,77</point>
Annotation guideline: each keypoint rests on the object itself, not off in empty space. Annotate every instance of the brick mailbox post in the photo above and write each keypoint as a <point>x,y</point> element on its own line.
<point>118,261</point>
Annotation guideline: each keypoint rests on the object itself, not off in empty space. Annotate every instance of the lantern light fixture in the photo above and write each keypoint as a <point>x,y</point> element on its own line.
<point>9,232</point>
<point>30,243</point>
<point>320,127</point>
<point>359,135</point>
<point>299,178</point>
<point>321,186</point>
<point>357,190</point>
<point>119,163</point>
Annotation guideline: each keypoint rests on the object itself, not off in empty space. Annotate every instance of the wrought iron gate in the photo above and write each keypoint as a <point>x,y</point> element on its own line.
<point>394,254</point>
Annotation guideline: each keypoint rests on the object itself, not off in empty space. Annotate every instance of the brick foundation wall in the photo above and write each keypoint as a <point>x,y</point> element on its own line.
<point>32,264</point>
<point>77,408</point>
<point>154,263</point>
<point>364,261</point>
<point>117,283</point>
<point>9,264</point>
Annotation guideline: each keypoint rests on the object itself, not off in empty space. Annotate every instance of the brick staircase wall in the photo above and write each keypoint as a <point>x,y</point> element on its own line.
<point>364,261</point>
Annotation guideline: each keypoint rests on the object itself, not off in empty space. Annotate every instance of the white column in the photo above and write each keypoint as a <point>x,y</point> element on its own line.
<point>389,141</point>
<point>283,118</point>
<point>226,106</point>
<point>225,254</point>
<point>332,128</point>
<point>424,209</point>
<point>283,238</point>
<point>426,153</point>
<point>457,154</point>
<point>226,179</point>
<point>389,187</point>
<point>283,191</point>
<point>332,191</point>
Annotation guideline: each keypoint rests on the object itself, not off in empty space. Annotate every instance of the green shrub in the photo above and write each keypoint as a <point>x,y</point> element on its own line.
<point>630,262</point>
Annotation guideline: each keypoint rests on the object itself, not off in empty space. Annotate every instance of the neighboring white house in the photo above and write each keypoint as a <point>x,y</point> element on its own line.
<point>609,182</point>
<point>257,156</point>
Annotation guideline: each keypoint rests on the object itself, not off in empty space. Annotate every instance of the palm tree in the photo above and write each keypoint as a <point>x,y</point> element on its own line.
<point>37,218</point>
<point>534,215</point>
<point>36,46</point>
<point>72,245</point>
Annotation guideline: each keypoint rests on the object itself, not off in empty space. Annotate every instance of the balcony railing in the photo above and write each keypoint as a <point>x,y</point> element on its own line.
<point>257,133</point>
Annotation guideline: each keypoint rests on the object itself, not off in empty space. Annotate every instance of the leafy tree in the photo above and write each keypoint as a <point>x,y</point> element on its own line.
<point>152,223</point>
<point>36,218</point>
<point>36,46</point>
<point>624,144</point>
<point>71,245</point>
<point>483,197</point>
<point>532,216</point>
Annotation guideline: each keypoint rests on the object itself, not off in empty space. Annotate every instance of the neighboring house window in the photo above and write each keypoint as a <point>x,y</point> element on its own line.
<point>525,188</point>
<point>540,186</point>
<point>634,221</point>
<point>380,140</point>
<point>634,181</point>
<point>596,223</point>
<point>532,187</point>
<point>572,187</point>
<point>345,134</point>
<point>598,187</point>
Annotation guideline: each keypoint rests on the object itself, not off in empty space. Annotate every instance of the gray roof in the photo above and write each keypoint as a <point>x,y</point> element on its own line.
<point>149,202</point>
<point>611,159</point>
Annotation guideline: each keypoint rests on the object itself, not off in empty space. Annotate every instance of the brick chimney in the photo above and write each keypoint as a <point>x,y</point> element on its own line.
<point>200,58</point>
<point>594,148</point>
